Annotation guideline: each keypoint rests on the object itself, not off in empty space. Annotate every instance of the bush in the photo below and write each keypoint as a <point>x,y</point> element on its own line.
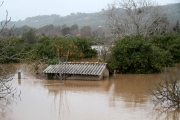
<point>66,49</point>
<point>44,48</point>
<point>84,45</point>
<point>169,42</point>
<point>133,54</point>
<point>12,50</point>
<point>53,61</point>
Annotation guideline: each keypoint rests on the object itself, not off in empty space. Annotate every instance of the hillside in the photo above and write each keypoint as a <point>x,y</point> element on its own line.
<point>82,19</point>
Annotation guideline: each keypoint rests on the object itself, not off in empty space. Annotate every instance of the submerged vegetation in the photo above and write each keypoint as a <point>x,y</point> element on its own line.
<point>138,54</point>
<point>166,92</point>
<point>133,54</point>
<point>48,49</point>
<point>130,54</point>
<point>139,40</point>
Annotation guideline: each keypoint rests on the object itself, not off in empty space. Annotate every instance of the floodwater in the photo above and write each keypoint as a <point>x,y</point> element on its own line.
<point>119,97</point>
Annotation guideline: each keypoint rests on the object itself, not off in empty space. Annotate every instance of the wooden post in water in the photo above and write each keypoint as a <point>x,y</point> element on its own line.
<point>19,75</point>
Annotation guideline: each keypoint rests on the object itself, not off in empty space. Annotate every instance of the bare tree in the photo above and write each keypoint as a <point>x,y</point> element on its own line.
<point>103,46</point>
<point>85,31</point>
<point>5,78</point>
<point>102,43</point>
<point>140,17</point>
<point>167,92</point>
<point>5,89</point>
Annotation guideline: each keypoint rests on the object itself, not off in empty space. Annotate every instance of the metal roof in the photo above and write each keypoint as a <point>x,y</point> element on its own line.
<point>81,68</point>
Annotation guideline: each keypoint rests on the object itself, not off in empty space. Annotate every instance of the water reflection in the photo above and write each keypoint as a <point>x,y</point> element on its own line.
<point>7,71</point>
<point>5,110</point>
<point>161,114</point>
<point>133,88</point>
<point>7,90</point>
<point>122,96</point>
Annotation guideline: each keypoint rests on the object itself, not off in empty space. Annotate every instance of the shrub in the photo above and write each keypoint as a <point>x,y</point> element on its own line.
<point>133,54</point>
<point>44,48</point>
<point>84,45</point>
<point>169,42</point>
<point>11,50</point>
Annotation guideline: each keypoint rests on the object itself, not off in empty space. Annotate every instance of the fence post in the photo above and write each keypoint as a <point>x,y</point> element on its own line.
<point>19,75</point>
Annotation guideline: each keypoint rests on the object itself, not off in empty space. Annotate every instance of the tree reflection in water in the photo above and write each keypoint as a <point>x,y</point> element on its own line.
<point>58,91</point>
<point>162,114</point>
<point>5,108</point>
<point>116,97</point>
<point>8,97</point>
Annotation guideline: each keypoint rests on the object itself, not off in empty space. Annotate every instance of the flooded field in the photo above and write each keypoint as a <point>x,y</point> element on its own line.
<point>119,97</point>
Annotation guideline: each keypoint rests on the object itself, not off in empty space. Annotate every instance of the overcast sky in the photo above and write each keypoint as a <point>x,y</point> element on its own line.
<point>21,9</point>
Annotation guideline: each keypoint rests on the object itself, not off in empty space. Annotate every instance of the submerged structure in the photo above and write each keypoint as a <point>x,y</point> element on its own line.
<point>78,70</point>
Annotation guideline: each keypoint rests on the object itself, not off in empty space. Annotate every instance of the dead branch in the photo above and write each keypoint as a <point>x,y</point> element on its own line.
<point>140,17</point>
<point>167,92</point>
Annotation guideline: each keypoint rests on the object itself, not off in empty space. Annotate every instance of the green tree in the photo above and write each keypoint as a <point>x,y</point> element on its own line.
<point>176,28</point>
<point>169,42</point>
<point>30,36</point>
<point>133,54</point>
<point>74,27</point>
<point>21,30</point>
<point>14,52</point>
<point>44,49</point>
<point>66,50</point>
<point>84,45</point>
<point>65,30</point>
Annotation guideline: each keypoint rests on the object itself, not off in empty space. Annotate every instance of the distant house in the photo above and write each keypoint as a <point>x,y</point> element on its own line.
<point>100,48</point>
<point>79,70</point>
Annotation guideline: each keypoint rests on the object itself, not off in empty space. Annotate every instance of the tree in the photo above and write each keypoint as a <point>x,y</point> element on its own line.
<point>74,30</point>
<point>6,88</point>
<point>176,28</point>
<point>49,30</point>
<point>134,17</point>
<point>86,31</point>
<point>74,27</point>
<point>20,31</point>
<point>169,42</point>
<point>167,92</point>
<point>103,46</point>
<point>30,36</point>
<point>84,46</point>
<point>132,54</point>
<point>12,50</point>
<point>98,32</point>
<point>65,30</point>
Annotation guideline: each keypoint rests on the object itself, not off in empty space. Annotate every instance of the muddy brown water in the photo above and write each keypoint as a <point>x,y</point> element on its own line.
<point>119,97</point>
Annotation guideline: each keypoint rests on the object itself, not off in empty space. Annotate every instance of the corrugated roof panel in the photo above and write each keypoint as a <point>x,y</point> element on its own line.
<point>95,70</point>
<point>69,68</point>
<point>72,69</point>
<point>77,68</point>
<point>101,68</point>
<point>85,72</point>
<point>91,70</point>
<point>82,69</point>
